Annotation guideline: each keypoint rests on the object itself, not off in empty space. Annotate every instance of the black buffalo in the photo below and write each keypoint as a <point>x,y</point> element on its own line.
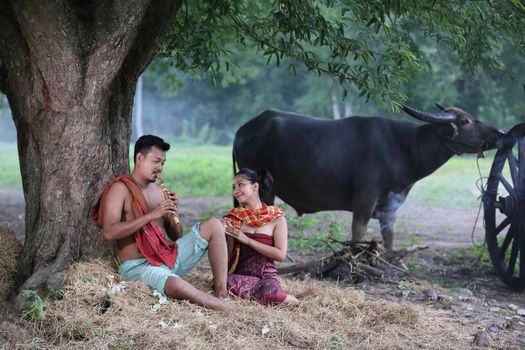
<point>366,165</point>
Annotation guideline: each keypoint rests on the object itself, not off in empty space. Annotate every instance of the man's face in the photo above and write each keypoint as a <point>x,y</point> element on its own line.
<point>151,163</point>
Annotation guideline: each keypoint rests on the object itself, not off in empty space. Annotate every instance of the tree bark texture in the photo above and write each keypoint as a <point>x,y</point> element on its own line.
<point>69,70</point>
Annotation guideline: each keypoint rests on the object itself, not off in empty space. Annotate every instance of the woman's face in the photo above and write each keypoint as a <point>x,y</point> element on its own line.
<point>243,189</point>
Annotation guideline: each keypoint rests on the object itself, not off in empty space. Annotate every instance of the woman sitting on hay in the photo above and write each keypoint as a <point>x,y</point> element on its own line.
<point>257,235</point>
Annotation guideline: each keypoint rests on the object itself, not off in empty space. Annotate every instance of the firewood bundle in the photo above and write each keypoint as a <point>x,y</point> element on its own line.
<point>356,261</point>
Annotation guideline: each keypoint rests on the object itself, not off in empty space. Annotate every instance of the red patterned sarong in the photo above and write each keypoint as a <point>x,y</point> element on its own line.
<point>150,239</point>
<point>255,277</point>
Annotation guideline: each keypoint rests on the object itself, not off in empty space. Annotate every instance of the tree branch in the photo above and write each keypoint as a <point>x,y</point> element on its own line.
<point>116,25</point>
<point>152,33</point>
<point>14,54</point>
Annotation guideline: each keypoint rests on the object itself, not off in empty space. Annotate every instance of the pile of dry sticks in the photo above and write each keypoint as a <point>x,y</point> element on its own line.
<point>355,261</point>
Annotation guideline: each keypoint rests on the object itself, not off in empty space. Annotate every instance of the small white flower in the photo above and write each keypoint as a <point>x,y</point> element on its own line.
<point>163,300</point>
<point>155,307</point>
<point>177,325</point>
<point>265,329</point>
<point>117,287</point>
<point>163,324</point>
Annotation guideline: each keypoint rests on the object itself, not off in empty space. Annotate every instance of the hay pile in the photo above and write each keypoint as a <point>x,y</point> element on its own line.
<point>9,253</point>
<point>96,313</point>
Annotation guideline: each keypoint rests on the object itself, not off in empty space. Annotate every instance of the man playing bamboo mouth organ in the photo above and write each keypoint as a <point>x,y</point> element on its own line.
<point>137,214</point>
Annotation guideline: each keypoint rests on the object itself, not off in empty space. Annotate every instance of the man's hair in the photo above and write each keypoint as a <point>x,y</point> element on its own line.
<point>145,142</point>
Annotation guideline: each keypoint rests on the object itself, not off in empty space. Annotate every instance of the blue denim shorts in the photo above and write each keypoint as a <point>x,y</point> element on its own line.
<point>191,248</point>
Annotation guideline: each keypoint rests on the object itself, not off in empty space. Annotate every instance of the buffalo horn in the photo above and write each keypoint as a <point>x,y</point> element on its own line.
<point>443,117</point>
<point>441,107</point>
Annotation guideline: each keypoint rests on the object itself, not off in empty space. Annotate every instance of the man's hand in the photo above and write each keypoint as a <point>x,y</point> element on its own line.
<point>173,227</point>
<point>174,198</point>
<point>166,207</point>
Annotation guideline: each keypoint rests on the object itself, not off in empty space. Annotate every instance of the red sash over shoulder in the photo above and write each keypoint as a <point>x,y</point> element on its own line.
<point>253,217</point>
<point>150,239</point>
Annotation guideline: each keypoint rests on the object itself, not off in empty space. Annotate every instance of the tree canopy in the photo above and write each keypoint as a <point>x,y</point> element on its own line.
<point>375,46</point>
<point>461,53</point>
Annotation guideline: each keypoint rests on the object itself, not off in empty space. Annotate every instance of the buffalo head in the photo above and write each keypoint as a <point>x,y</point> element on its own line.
<point>461,131</point>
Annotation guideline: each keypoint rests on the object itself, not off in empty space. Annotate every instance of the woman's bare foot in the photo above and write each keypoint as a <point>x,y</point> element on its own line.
<point>290,299</point>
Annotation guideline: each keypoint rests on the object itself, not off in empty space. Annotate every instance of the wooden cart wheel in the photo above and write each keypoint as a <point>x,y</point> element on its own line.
<point>505,231</point>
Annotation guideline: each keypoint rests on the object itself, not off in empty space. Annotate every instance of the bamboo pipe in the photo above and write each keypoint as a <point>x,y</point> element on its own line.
<point>174,218</point>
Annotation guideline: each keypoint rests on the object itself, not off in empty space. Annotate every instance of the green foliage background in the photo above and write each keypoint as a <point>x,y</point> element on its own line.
<point>226,62</point>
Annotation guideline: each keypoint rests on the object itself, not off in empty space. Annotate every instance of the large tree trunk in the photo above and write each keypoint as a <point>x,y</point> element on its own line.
<point>69,70</point>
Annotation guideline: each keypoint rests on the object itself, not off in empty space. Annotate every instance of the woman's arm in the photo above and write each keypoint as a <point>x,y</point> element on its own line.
<point>280,240</point>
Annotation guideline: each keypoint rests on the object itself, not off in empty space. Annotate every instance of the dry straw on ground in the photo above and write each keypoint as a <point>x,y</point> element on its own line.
<point>95,313</point>
<point>9,252</point>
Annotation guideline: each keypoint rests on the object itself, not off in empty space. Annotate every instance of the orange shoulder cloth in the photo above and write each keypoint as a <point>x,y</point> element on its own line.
<point>150,240</point>
<point>253,217</point>
<point>138,202</point>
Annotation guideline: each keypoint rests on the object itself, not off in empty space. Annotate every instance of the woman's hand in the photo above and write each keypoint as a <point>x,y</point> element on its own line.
<point>231,231</point>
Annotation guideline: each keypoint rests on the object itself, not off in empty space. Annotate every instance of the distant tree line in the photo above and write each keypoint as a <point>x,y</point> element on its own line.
<point>195,108</point>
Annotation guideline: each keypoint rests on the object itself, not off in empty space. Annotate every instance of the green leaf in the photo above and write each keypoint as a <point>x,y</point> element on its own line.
<point>28,293</point>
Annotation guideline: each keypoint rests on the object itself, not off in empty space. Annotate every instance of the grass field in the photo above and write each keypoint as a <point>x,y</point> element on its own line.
<point>206,170</point>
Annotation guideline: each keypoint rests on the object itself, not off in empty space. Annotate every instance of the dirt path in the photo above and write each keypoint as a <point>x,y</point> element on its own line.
<point>447,275</point>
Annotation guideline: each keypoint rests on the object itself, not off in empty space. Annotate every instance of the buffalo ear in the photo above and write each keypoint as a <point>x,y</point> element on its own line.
<point>441,107</point>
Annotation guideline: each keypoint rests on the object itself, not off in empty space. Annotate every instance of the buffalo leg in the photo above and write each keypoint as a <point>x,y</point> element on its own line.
<point>387,217</point>
<point>387,230</point>
<point>359,226</point>
<point>361,217</point>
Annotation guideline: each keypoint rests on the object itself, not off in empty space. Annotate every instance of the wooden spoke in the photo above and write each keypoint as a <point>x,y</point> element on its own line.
<point>521,163</point>
<point>513,255</point>
<point>505,244</point>
<point>501,226</point>
<point>506,184</point>
<point>521,235</point>
<point>513,167</point>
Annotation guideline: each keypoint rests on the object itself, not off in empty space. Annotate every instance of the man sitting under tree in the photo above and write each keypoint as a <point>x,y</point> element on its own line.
<point>134,213</point>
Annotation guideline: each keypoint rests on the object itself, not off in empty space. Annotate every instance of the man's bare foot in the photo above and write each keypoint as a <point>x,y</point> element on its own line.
<point>227,306</point>
<point>290,299</point>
